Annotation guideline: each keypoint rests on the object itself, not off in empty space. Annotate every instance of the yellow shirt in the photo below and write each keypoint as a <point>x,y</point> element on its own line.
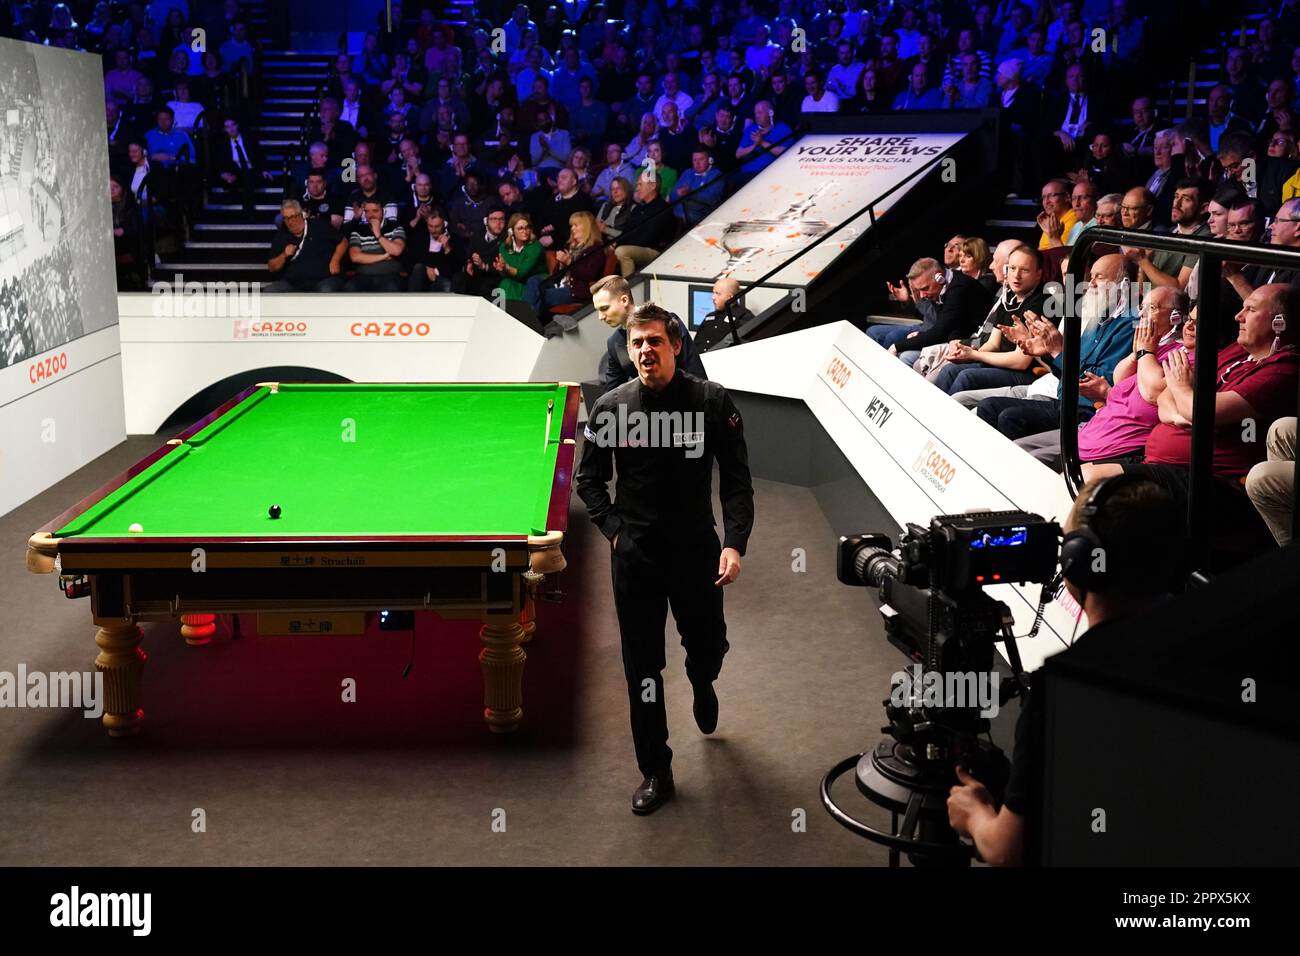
<point>1068,219</point>
<point>1291,188</point>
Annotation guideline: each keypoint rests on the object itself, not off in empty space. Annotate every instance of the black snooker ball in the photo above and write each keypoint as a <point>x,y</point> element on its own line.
<point>274,511</point>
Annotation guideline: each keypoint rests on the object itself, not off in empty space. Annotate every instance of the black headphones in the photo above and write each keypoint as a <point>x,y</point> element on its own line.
<point>1079,545</point>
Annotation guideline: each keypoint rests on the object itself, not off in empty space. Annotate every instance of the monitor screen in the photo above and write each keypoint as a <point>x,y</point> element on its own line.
<point>701,305</point>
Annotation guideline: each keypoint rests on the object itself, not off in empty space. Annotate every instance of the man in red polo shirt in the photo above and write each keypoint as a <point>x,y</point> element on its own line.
<point>1255,385</point>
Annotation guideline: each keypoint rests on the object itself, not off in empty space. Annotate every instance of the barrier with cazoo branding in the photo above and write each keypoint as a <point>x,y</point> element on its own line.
<point>919,452</point>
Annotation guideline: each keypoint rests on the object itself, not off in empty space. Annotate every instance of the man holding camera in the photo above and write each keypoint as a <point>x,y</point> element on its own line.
<point>665,550</point>
<point>1135,525</point>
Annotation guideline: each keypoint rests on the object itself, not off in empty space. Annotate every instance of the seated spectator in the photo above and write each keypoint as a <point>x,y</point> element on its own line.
<point>467,208</point>
<point>1104,341</point>
<point>616,211</point>
<point>722,136</point>
<point>1118,433</point>
<point>705,106</point>
<point>675,95</point>
<point>1271,483</point>
<point>1255,386</point>
<point>549,147</point>
<point>521,261</point>
<point>1083,203</point>
<point>418,205</point>
<point>239,164</point>
<point>1221,118</point>
<point>1072,118</point>
<point>615,167</point>
<point>974,260</point>
<point>451,175</point>
<point>373,61</point>
<point>121,82</point>
<point>1188,212</point>
<point>699,189</point>
<point>1108,213</point>
<point>588,116</point>
<point>649,228</point>
<point>989,360</point>
<point>665,174</point>
<point>438,261</point>
<point>579,264</point>
<point>919,95</point>
<point>554,212</point>
<point>397,103</point>
<point>1057,217</point>
<point>375,248</point>
<point>406,76</point>
<point>319,201</point>
<point>169,146</point>
<point>141,111</point>
<point>338,135</point>
<point>1102,164</point>
<point>186,111</point>
<point>237,51</point>
<point>580,166</point>
<point>480,274</point>
<point>957,304</point>
<point>120,134</point>
<point>970,90</point>
<point>128,253</point>
<point>818,98</point>
<point>676,138</point>
<point>353,111</point>
<point>872,96</point>
<point>845,76</point>
<point>646,134</point>
<point>306,256</point>
<point>762,141</point>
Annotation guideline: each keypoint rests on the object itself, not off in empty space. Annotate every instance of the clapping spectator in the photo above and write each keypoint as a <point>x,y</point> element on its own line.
<point>521,262</point>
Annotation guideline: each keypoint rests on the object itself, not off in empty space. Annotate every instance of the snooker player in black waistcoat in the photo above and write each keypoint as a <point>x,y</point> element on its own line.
<point>663,430</point>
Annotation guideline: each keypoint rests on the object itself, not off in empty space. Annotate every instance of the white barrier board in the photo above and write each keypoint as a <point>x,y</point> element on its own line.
<point>920,452</point>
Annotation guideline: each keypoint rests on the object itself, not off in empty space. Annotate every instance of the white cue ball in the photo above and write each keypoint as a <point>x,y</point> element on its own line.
<point>136,528</point>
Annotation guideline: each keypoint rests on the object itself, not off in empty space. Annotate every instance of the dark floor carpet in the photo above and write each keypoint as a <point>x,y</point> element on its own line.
<point>253,732</point>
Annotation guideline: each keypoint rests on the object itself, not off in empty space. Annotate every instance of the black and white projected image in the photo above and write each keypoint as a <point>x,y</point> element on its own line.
<point>56,269</point>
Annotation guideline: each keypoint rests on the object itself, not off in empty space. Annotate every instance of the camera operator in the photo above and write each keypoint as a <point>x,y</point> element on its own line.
<point>1120,556</point>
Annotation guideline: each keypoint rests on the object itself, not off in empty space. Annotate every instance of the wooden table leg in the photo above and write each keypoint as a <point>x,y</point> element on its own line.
<point>502,660</point>
<point>528,619</point>
<point>197,629</point>
<point>121,661</point>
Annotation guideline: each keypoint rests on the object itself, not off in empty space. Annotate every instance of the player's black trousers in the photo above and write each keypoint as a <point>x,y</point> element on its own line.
<point>648,580</point>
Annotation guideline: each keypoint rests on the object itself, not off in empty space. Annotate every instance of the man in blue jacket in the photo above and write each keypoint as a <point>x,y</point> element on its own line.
<point>612,299</point>
<point>1108,310</point>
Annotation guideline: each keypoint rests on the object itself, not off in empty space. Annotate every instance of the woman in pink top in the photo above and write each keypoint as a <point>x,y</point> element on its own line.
<point>1118,432</point>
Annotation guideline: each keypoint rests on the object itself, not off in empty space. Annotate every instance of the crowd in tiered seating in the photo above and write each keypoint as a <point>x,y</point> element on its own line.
<point>530,153</point>
<point>990,311</point>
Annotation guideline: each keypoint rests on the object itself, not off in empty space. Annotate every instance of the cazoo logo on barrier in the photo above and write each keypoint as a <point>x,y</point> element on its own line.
<point>931,465</point>
<point>246,329</point>
<point>389,330</point>
<point>47,367</point>
<point>838,373</point>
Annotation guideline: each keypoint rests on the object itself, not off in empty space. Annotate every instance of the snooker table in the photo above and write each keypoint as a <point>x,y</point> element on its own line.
<point>451,498</point>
